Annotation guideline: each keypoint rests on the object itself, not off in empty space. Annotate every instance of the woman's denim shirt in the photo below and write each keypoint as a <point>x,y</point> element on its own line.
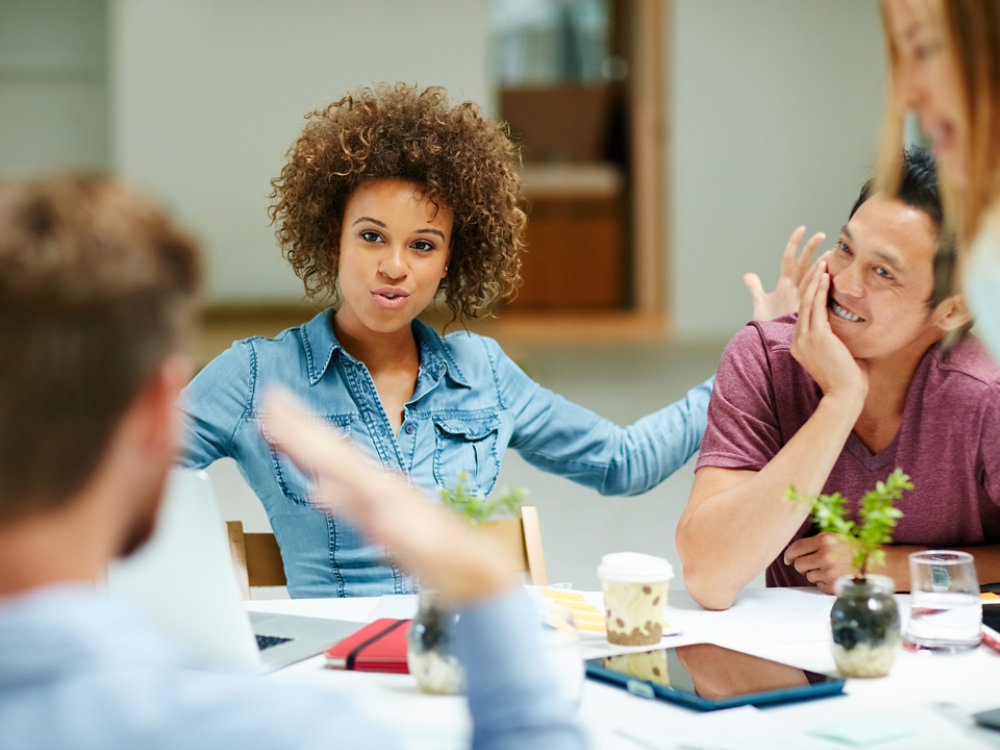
<point>470,404</point>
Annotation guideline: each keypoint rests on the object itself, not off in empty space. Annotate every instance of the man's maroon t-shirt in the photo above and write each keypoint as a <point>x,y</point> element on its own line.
<point>949,442</point>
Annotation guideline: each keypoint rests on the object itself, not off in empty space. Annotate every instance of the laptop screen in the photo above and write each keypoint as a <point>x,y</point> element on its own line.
<point>183,578</point>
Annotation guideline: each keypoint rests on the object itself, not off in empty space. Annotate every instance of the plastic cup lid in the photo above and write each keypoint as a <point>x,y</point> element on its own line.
<point>634,566</point>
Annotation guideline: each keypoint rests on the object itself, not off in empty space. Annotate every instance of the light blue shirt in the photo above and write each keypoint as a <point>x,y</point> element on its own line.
<point>471,403</point>
<point>79,671</point>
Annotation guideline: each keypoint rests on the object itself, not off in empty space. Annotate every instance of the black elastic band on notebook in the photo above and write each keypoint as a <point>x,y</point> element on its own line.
<point>360,647</point>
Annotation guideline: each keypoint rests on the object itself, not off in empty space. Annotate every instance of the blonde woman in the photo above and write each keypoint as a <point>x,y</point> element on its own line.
<point>945,69</point>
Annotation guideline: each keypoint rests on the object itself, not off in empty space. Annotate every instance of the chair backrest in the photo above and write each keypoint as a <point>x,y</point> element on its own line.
<point>523,537</point>
<point>257,558</point>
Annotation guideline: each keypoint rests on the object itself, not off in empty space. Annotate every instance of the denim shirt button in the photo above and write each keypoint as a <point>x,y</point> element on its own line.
<point>409,429</point>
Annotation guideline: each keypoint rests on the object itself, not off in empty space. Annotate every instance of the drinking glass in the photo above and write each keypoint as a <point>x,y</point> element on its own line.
<point>946,613</point>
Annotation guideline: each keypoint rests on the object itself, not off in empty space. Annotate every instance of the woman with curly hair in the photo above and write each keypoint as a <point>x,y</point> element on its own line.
<point>389,198</point>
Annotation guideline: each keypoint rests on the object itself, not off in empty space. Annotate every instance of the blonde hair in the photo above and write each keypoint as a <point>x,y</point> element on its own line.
<point>972,40</point>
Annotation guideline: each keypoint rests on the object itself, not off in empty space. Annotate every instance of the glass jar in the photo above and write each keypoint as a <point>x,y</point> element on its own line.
<point>865,625</point>
<point>431,649</point>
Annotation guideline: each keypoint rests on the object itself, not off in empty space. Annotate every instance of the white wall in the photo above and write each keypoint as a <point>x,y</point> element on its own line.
<point>207,97</point>
<point>53,86</point>
<point>774,116</point>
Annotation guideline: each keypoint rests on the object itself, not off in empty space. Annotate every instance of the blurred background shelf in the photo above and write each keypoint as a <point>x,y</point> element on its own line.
<point>577,248</point>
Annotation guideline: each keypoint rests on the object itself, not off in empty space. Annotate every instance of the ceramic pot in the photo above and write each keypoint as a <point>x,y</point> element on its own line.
<point>865,624</point>
<point>431,650</point>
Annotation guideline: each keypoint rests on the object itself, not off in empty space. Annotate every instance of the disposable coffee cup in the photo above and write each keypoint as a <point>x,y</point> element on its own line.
<point>635,589</point>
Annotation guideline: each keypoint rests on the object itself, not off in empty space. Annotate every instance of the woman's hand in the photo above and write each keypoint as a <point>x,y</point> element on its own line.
<point>785,297</point>
<point>818,349</point>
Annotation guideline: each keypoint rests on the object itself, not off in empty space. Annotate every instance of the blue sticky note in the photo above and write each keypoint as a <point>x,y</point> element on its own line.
<point>861,731</point>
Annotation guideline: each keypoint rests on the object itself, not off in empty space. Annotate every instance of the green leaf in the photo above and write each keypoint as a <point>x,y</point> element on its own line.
<point>474,506</point>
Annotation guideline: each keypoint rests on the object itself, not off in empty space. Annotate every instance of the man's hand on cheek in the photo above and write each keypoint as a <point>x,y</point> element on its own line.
<point>818,349</point>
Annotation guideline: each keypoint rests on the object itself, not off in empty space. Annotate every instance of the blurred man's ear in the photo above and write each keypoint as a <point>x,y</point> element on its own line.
<point>158,402</point>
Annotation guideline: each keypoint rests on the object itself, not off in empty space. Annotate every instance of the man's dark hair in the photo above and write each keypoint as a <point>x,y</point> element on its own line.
<point>918,187</point>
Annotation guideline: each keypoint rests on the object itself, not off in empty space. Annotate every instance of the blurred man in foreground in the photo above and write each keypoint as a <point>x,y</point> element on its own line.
<point>96,294</point>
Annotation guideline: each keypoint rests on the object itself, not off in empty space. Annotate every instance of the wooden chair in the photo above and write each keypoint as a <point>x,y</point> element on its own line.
<point>257,558</point>
<point>523,537</point>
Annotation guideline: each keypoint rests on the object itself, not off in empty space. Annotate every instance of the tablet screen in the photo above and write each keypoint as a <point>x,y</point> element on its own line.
<point>706,676</point>
<point>991,617</point>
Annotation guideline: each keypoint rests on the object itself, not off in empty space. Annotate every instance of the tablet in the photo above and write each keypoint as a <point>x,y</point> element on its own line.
<point>991,616</point>
<point>991,637</point>
<point>989,719</point>
<point>991,626</point>
<point>707,677</point>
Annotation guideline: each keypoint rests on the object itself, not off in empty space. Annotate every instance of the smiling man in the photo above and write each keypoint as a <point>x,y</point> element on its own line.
<point>834,397</point>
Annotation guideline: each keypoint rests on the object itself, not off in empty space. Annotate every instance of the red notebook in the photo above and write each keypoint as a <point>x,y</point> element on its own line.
<point>379,646</point>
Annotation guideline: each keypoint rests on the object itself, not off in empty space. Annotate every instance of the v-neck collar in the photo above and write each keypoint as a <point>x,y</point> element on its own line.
<point>874,461</point>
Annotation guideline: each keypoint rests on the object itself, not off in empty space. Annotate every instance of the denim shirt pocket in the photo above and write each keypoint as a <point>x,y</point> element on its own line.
<point>291,481</point>
<point>466,444</point>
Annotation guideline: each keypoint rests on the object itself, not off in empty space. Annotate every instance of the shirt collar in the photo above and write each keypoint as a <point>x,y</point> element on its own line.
<point>319,341</point>
<point>435,358</point>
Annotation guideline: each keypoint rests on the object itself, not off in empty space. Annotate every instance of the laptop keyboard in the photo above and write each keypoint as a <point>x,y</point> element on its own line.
<point>266,641</point>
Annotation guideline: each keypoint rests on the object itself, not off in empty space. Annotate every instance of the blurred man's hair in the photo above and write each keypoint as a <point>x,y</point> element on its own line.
<point>96,291</point>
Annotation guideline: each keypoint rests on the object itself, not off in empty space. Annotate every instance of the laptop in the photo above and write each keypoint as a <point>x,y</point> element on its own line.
<point>184,580</point>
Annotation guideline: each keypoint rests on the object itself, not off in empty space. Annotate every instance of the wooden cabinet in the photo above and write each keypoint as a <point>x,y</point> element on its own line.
<point>577,253</point>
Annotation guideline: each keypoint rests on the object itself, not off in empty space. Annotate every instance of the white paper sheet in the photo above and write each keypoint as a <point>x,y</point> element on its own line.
<point>743,728</point>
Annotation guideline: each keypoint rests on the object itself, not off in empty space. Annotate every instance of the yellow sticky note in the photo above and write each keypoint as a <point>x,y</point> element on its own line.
<point>561,595</point>
<point>588,617</point>
<point>989,596</point>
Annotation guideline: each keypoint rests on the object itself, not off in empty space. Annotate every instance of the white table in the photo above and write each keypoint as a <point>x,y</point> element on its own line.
<point>930,695</point>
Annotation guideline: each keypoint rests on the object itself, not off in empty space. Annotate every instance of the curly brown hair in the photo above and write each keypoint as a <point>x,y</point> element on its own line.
<point>462,160</point>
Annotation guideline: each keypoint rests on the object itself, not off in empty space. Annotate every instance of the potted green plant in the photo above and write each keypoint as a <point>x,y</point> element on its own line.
<point>864,617</point>
<point>474,506</point>
<point>431,655</point>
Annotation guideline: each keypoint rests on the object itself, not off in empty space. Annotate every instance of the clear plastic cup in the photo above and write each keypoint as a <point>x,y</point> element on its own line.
<point>946,612</point>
